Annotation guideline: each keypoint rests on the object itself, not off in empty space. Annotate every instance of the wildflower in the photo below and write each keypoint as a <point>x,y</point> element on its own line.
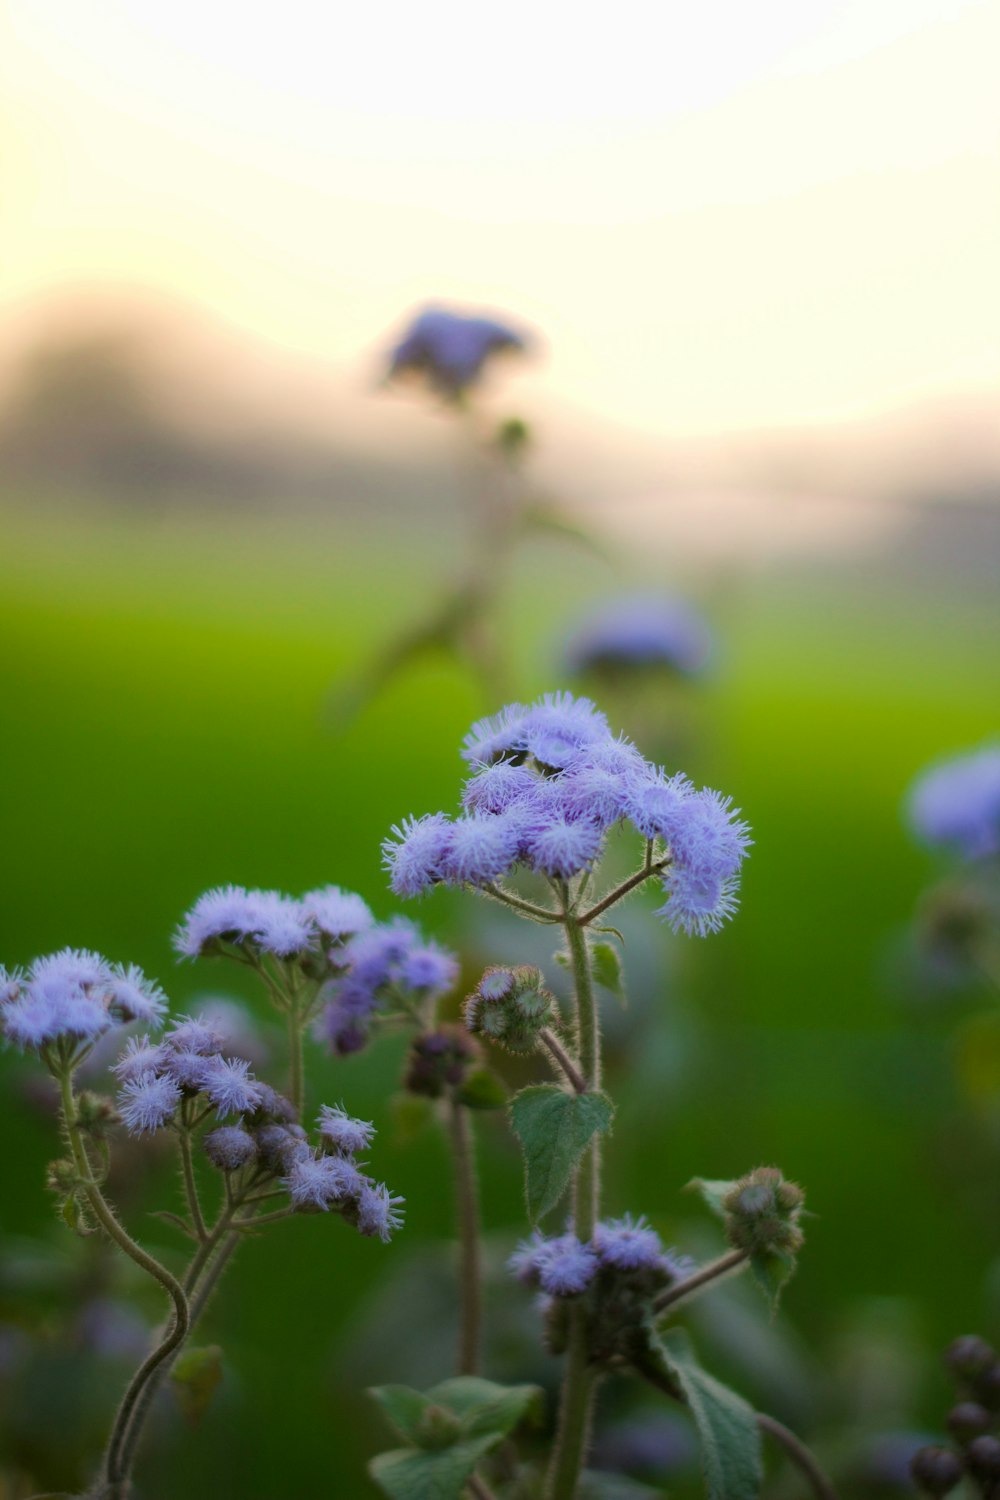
<point>279,1145</point>
<point>390,958</point>
<point>133,997</point>
<point>337,914</point>
<point>494,788</point>
<point>194,1034</point>
<point>640,631</point>
<point>318,1181</point>
<point>414,856</point>
<point>139,1057</point>
<point>341,1133</point>
<point>230,1147</point>
<point>227,1082</point>
<point>957,803</point>
<point>564,848</point>
<point>267,921</point>
<point>378,1211</point>
<point>510,1007</point>
<point>480,849</point>
<point>451,349</point>
<point>75,995</point>
<point>628,1244</point>
<point>148,1102</point>
<point>562,1266</point>
<point>439,1061</point>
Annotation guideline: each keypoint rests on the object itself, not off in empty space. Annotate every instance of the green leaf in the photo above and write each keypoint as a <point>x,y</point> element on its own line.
<point>482,1090</point>
<point>770,1271</point>
<point>606,965</point>
<point>712,1192</point>
<point>727,1425</point>
<point>554,1129</point>
<point>195,1377</point>
<point>562,958</point>
<point>413,1474</point>
<point>485,1407</point>
<point>402,1405</point>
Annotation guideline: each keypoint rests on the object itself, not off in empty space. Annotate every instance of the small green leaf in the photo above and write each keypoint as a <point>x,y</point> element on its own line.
<point>482,1090</point>
<point>562,958</point>
<point>614,932</point>
<point>402,1405</point>
<point>412,1474</point>
<point>607,968</point>
<point>195,1377</point>
<point>712,1193</point>
<point>554,1129</point>
<point>727,1425</point>
<point>770,1272</point>
<point>484,1406</point>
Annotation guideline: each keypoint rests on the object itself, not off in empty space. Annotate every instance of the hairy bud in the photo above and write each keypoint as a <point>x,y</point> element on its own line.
<point>439,1061</point>
<point>96,1114</point>
<point>936,1470</point>
<point>510,1007</point>
<point>762,1212</point>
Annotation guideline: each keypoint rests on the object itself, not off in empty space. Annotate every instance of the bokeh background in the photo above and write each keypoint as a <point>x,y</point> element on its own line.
<point>756,250</point>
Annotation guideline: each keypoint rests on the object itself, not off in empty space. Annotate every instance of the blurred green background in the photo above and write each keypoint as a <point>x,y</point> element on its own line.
<point>165,676</point>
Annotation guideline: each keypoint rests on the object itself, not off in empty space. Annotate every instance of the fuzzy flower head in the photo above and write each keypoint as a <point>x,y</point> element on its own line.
<point>450,350</point>
<point>378,1211</point>
<point>548,782</point>
<point>957,804</point>
<point>73,997</point>
<point>148,1102</point>
<point>263,921</point>
<point>340,1133</point>
<point>562,1266</point>
<point>628,1244</point>
<point>640,632</point>
<point>390,962</point>
<point>230,1147</point>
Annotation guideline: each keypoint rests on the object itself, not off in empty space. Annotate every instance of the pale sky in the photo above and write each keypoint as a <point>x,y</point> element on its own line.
<point>718,215</point>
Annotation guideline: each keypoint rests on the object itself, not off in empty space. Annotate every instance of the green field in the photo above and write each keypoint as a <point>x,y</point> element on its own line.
<point>163,680</point>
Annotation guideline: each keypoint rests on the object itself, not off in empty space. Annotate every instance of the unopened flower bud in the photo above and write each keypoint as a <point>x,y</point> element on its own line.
<point>968,1420</point>
<point>61,1176</point>
<point>437,1427</point>
<point>969,1356</point>
<point>439,1061</point>
<point>936,1470</point>
<point>510,1007</point>
<point>762,1212</point>
<point>96,1114</point>
<point>983,1457</point>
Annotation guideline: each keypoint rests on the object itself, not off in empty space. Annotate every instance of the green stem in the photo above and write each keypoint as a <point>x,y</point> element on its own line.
<point>734,1260</point>
<point>190,1181</point>
<point>565,1063</point>
<point>528,908</point>
<point>470,1266</point>
<point>649,868</point>
<point>295,1056</point>
<point>115,1474</point>
<point>800,1456</point>
<point>576,1401</point>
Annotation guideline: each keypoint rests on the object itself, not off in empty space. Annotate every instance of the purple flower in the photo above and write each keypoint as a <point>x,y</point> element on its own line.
<point>378,1211</point>
<point>146,1103</point>
<point>194,1034</point>
<point>414,856</point>
<point>480,849</point>
<point>564,848</point>
<point>230,1147</point>
<point>336,913</point>
<point>628,1244</point>
<point>227,1082</point>
<point>318,1181</point>
<point>601,795</point>
<point>497,737</point>
<point>957,803</point>
<point>563,1266</point>
<point>267,920</point>
<point>494,788</point>
<point>658,803</point>
<point>342,1133</point>
<point>450,349</point>
<point>138,1058</point>
<point>710,838</point>
<point>187,1069</point>
<point>75,996</point>
<point>279,1145</point>
<point>556,729</point>
<point>638,631</point>
<point>391,956</point>
<point>428,968</point>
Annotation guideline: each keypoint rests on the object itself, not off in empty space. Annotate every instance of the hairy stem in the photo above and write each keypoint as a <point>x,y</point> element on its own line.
<point>115,1474</point>
<point>528,908</point>
<point>295,1062</point>
<point>478,1488</point>
<point>800,1455</point>
<point>470,1261</point>
<point>734,1260</point>
<point>190,1181</point>
<point>649,868</point>
<point>562,1057</point>
<point>576,1400</point>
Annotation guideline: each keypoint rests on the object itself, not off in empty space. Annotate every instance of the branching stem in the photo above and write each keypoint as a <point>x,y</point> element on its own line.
<point>562,1057</point>
<point>734,1260</point>
<point>800,1455</point>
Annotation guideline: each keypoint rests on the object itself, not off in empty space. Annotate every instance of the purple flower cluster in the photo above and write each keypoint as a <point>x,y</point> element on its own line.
<point>548,782</point>
<point>640,631</point>
<point>451,349</point>
<point>958,803</point>
<point>564,1266</point>
<point>330,1177</point>
<point>188,1063</point>
<point>73,997</point>
<point>269,922</point>
<point>391,961</point>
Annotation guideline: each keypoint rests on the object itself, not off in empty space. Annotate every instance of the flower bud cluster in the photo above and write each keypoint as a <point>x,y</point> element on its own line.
<point>549,781</point>
<point>439,1061</point>
<point>188,1064</point>
<point>511,1007</point>
<point>69,999</point>
<point>329,1177</point>
<point>973,1422</point>
<point>392,963</point>
<point>762,1212</point>
<point>617,1272</point>
<point>260,923</point>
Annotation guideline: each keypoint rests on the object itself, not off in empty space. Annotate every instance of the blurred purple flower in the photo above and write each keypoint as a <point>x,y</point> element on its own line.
<point>451,349</point>
<point>640,631</point>
<point>958,803</point>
